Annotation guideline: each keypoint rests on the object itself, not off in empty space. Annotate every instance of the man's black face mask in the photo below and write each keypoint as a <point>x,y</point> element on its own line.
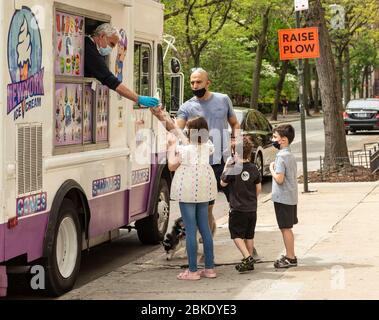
<point>199,92</point>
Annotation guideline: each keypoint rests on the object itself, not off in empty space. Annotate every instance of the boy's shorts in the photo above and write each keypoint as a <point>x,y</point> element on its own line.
<point>242,224</point>
<point>218,169</point>
<point>286,215</point>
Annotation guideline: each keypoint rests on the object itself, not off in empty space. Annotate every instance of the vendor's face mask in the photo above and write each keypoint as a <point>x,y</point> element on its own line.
<point>105,51</point>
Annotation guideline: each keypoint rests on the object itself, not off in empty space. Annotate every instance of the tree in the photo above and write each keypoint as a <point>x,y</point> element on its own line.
<point>202,21</point>
<point>358,20</point>
<point>258,60</point>
<point>336,152</point>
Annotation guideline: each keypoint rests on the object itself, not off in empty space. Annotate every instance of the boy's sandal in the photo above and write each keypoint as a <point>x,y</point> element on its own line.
<point>208,273</point>
<point>188,275</point>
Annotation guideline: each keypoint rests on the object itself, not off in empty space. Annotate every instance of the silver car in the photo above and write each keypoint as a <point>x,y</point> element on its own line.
<point>361,114</point>
<point>258,128</point>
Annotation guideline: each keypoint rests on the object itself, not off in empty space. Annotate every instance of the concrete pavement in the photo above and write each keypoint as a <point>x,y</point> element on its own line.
<point>291,117</point>
<point>336,245</point>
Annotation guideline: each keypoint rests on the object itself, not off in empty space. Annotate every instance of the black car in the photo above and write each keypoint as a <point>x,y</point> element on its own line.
<point>256,126</point>
<point>361,114</point>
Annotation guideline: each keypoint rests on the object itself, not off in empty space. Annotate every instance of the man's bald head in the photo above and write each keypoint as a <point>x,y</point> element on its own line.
<point>200,71</point>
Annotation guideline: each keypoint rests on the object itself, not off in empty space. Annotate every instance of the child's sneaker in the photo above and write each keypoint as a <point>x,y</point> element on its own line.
<point>285,262</point>
<point>247,264</point>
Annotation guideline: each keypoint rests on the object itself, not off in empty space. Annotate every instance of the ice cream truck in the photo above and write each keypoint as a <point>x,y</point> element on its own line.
<point>78,162</point>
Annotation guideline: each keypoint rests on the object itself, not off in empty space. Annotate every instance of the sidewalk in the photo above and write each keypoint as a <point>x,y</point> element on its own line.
<point>336,244</point>
<point>290,117</point>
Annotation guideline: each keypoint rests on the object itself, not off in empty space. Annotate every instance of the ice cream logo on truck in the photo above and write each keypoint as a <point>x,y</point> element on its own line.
<point>24,63</point>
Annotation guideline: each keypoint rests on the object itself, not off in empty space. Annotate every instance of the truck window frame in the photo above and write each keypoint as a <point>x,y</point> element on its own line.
<point>138,66</point>
<point>94,144</point>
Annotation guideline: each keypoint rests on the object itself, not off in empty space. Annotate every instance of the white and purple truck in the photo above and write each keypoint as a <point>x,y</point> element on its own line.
<point>78,162</point>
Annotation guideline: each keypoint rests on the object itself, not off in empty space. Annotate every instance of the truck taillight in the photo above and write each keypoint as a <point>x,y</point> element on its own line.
<point>377,115</point>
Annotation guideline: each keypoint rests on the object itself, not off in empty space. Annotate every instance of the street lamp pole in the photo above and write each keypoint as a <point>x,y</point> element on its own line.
<point>302,113</point>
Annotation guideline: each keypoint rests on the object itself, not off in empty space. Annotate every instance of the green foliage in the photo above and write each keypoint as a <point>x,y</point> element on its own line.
<point>227,48</point>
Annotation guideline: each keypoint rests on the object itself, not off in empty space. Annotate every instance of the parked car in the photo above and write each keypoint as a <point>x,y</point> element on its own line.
<point>361,114</point>
<point>258,128</point>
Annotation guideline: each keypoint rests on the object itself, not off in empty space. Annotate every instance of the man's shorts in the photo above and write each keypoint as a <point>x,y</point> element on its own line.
<point>218,169</point>
<point>286,215</point>
<point>242,224</point>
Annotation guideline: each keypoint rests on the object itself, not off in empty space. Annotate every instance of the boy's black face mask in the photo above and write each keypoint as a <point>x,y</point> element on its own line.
<point>199,92</point>
<point>276,144</point>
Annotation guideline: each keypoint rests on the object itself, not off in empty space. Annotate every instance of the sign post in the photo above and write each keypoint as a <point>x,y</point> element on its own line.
<point>300,43</point>
<point>302,114</point>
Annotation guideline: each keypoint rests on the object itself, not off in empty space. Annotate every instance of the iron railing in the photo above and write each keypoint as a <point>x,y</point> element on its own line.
<point>363,163</point>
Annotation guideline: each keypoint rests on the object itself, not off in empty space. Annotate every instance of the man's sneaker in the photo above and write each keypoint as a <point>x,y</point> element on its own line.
<point>285,262</point>
<point>247,264</point>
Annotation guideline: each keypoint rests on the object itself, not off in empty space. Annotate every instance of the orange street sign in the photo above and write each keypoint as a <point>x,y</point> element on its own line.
<point>299,43</point>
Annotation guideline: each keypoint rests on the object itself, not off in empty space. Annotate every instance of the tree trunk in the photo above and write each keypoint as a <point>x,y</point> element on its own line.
<point>279,88</point>
<point>339,76</point>
<point>307,82</point>
<point>366,81</point>
<point>347,76</point>
<point>258,60</point>
<point>362,86</point>
<point>317,107</point>
<point>336,152</point>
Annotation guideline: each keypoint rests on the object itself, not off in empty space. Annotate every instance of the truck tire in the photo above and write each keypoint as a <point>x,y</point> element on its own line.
<point>63,259</point>
<point>151,230</point>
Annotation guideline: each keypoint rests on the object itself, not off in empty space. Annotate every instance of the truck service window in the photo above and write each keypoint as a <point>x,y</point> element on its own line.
<point>81,104</point>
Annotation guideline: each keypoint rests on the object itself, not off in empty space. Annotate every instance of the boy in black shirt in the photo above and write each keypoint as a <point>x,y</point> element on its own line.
<point>244,189</point>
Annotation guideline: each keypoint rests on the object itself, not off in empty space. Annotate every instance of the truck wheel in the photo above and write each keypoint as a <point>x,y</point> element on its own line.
<point>63,259</point>
<point>151,230</point>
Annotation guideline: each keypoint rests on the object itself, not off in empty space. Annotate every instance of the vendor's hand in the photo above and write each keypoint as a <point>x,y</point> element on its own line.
<point>145,101</point>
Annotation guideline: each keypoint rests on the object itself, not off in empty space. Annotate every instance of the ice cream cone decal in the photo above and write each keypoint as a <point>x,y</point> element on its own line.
<point>24,51</point>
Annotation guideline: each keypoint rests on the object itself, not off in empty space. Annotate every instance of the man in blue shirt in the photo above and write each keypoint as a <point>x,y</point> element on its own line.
<point>217,109</point>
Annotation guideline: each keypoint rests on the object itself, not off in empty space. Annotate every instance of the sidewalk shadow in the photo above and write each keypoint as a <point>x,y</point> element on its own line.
<point>314,264</point>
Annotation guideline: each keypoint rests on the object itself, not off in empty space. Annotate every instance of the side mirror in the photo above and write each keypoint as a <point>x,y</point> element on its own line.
<point>177,92</point>
<point>175,66</point>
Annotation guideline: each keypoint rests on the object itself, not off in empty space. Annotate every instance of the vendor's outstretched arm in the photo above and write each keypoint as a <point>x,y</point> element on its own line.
<point>126,93</point>
<point>143,101</point>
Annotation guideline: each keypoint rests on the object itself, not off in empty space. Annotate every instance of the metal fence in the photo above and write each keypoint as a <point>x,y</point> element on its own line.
<point>364,163</point>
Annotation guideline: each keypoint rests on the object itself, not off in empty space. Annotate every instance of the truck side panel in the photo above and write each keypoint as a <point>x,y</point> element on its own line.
<point>26,238</point>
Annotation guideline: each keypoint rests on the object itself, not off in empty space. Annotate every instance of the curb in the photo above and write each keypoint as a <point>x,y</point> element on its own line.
<point>293,120</point>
